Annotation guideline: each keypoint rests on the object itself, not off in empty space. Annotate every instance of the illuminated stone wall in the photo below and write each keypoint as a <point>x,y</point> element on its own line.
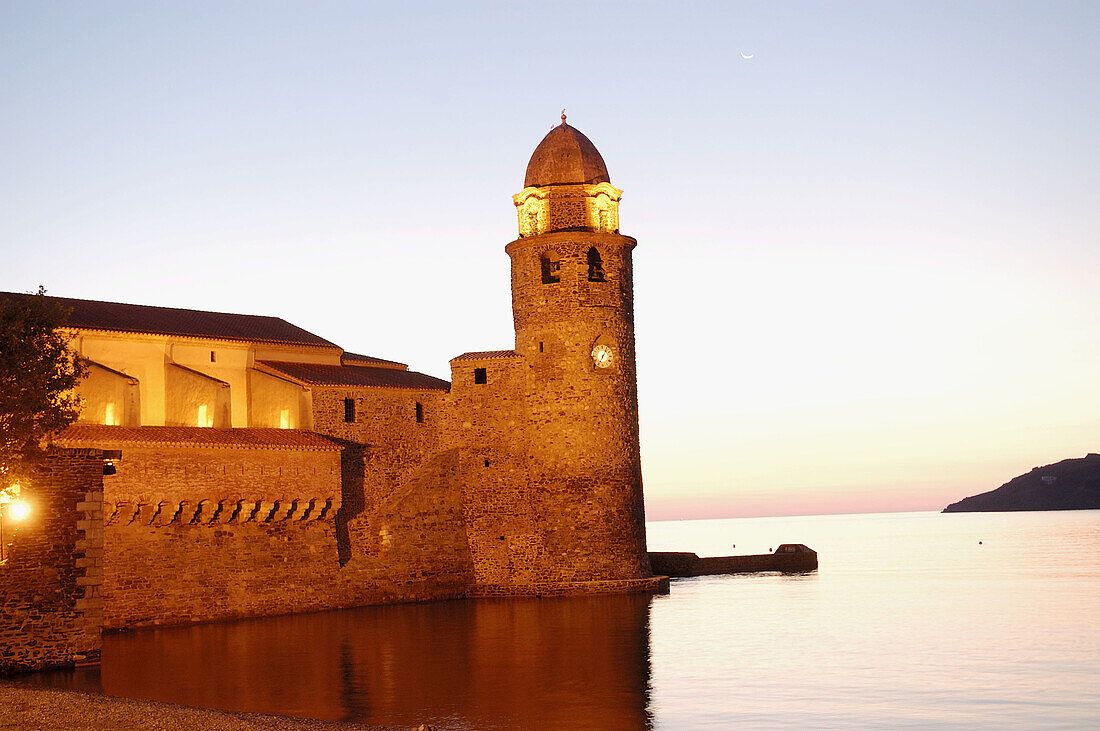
<point>203,533</point>
<point>584,464</point>
<point>50,608</point>
<point>385,435</point>
<point>151,473</point>
<point>490,426</point>
<point>412,545</point>
<point>198,534</point>
<point>401,526</point>
<point>181,572</point>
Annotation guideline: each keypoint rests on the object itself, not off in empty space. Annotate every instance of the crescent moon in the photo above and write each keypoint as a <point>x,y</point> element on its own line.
<point>747,57</point>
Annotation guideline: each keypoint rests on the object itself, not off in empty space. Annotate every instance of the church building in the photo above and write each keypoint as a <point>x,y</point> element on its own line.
<point>254,468</point>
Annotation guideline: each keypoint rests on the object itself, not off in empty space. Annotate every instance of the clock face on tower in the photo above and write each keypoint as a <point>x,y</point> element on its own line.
<point>602,356</point>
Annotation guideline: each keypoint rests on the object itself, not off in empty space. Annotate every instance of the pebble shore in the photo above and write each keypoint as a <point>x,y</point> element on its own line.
<point>39,708</point>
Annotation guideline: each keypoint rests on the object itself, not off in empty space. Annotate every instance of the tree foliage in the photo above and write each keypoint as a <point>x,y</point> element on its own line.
<point>38,375</point>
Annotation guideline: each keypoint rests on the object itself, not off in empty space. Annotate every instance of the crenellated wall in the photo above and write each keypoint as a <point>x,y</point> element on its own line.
<point>200,533</point>
<point>185,568</point>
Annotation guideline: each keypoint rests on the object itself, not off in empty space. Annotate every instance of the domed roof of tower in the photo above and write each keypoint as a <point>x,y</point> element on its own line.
<point>565,156</point>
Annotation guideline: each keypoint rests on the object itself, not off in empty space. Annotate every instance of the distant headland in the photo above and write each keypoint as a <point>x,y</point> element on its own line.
<point>1072,484</point>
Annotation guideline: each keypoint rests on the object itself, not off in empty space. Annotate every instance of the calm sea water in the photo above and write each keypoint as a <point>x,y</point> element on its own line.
<point>909,621</point>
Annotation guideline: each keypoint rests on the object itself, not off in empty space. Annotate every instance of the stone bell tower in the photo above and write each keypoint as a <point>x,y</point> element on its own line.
<point>573,306</point>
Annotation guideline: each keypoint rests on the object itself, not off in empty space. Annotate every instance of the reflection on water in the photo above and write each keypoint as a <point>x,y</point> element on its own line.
<point>560,663</point>
<point>909,621</point>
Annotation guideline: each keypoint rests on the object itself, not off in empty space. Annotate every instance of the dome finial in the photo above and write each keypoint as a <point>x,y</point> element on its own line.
<point>563,116</point>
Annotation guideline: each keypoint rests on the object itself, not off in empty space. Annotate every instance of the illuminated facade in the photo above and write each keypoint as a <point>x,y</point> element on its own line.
<point>239,438</point>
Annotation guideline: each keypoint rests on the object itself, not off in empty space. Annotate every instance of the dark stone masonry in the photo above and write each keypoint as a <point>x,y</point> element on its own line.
<point>51,610</point>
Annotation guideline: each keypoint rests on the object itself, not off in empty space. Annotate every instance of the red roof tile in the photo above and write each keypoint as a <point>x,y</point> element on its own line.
<point>95,435</point>
<point>333,375</point>
<point>119,317</point>
<point>486,355</point>
<point>355,359</point>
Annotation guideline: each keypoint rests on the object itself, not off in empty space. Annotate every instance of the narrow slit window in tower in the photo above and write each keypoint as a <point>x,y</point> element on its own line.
<point>213,357</point>
<point>419,413</point>
<point>595,266</point>
<point>541,347</point>
<point>551,267</point>
<point>480,376</point>
<point>349,410</point>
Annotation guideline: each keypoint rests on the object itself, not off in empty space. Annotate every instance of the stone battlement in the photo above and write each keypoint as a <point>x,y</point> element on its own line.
<point>222,512</point>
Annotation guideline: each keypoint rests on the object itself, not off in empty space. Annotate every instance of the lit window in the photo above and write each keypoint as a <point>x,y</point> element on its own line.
<point>284,419</point>
<point>109,415</point>
<point>203,419</point>
<point>349,410</point>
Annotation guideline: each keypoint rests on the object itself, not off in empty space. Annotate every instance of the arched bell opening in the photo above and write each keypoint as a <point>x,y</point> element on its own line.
<point>595,266</point>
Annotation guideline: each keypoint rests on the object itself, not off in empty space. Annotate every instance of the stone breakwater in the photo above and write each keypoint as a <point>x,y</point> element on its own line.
<point>35,708</point>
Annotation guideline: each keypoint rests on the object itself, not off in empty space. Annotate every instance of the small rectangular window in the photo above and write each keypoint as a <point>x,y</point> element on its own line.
<point>349,410</point>
<point>540,347</point>
<point>419,413</point>
<point>486,463</point>
<point>213,358</point>
<point>551,268</point>
<point>480,376</point>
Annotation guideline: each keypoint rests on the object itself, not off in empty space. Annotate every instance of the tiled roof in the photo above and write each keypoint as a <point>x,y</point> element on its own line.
<point>333,375</point>
<point>115,316</point>
<point>355,359</point>
<point>95,435</point>
<point>486,355</point>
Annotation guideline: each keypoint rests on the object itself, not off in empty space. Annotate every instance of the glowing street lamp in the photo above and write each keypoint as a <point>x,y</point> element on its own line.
<point>11,505</point>
<point>19,511</point>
